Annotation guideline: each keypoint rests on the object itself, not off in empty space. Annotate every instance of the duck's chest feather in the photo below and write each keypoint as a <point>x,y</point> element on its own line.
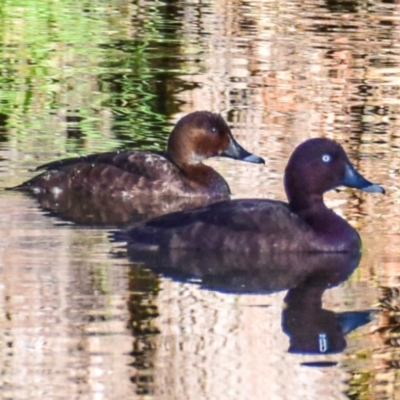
<point>129,173</point>
<point>331,231</point>
<point>254,226</point>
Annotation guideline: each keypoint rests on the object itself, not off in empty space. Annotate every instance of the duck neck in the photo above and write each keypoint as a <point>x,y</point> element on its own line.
<point>313,211</point>
<point>324,222</point>
<point>202,177</point>
<point>305,201</point>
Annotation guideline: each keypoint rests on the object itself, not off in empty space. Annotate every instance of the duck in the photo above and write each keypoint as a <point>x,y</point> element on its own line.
<point>177,172</point>
<point>258,226</point>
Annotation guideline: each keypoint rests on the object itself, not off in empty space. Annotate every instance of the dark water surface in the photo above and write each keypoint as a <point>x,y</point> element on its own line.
<point>79,321</point>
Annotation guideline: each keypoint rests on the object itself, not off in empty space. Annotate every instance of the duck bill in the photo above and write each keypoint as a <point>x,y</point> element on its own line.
<point>354,179</point>
<point>236,151</point>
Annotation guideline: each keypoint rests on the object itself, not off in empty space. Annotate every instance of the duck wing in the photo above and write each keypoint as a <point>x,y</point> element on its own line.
<point>135,162</point>
<point>113,171</point>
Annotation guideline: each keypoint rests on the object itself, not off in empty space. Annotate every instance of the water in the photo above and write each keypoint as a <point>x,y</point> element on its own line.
<point>80,321</point>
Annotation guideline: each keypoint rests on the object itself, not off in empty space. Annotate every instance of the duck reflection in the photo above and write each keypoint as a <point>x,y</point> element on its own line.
<point>312,329</point>
<point>306,276</point>
<point>104,211</point>
<point>240,273</point>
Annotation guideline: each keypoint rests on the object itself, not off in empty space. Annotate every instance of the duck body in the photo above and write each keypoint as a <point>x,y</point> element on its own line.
<point>179,172</point>
<point>257,226</point>
<point>251,226</point>
<point>126,174</point>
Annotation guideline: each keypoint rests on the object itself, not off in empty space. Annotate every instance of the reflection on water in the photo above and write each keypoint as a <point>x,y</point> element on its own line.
<point>79,78</point>
<point>241,273</point>
<point>312,329</point>
<point>105,211</point>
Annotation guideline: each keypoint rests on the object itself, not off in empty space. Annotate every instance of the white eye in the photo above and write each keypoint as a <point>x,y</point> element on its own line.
<point>326,158</point>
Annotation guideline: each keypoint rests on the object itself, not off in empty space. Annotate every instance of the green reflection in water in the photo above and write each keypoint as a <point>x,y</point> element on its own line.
<point>86,76</point>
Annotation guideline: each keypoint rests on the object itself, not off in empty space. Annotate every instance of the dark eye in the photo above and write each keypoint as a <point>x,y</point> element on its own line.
<point>326,158</point>
<point>213,129</point>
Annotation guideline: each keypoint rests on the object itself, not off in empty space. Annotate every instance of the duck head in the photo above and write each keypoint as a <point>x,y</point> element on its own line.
<point>201,135</point>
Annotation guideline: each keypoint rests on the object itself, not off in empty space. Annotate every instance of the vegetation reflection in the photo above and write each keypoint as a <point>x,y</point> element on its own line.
<point>71,86</point>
